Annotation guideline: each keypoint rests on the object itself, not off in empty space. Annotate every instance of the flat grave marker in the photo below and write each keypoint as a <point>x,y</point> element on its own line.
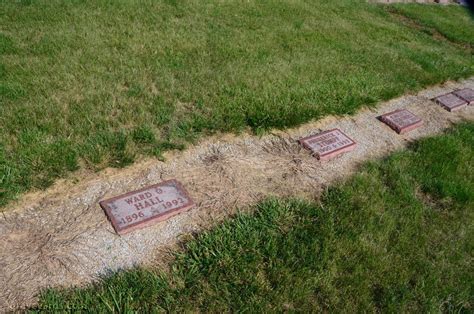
<point>141,208</point>
<point>451,102</point>
<point>328,144</point>
<point>401,120</point>
<point>466,93</point>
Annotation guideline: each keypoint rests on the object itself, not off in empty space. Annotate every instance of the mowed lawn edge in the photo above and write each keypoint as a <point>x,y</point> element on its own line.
<point>397,236</point>
<point>93,84</point>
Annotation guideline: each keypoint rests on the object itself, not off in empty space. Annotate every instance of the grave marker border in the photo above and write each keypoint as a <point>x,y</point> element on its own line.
<point>105,204</point>
<point>456,108</point>
<point>331,154</point>
<point>395,127</point>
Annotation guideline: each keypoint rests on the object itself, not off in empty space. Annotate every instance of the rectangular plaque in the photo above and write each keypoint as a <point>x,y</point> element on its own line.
<point>141,208</point>
<point>451,102</point>
<point>328,144</point>
<point>401,120</point>
<point>466,93</point>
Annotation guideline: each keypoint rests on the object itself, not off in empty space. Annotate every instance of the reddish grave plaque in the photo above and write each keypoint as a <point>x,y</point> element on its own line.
<point>401,120</point>
<point>141,208</point>
<point>466,93</point>
<point>451,102</point>
<point>329,144</point>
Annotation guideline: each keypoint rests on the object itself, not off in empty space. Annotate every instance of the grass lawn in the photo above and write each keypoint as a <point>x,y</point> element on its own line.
<point>452,24</point>
<point>397,237</point>
<point>98,83</point>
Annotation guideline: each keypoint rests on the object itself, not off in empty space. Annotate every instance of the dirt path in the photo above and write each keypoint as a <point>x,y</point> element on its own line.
<point>61,237</point>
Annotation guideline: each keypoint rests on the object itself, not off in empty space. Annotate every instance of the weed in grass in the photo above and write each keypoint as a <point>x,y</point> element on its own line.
<point>143,134</point>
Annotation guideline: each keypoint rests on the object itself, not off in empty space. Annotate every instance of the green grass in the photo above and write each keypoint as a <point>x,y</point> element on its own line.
<point>397,237</point>
<point>453,23</point>
<point>99,83</point>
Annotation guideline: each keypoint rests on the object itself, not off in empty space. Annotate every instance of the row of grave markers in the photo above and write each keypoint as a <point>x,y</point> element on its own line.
<point>140,208</point>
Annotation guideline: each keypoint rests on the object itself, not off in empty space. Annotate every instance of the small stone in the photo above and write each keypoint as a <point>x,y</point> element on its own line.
<point>401,120</point>
<point>329,144</point>
<point>466,93</point>
<point>141,208</point>
<point>451,102</point>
